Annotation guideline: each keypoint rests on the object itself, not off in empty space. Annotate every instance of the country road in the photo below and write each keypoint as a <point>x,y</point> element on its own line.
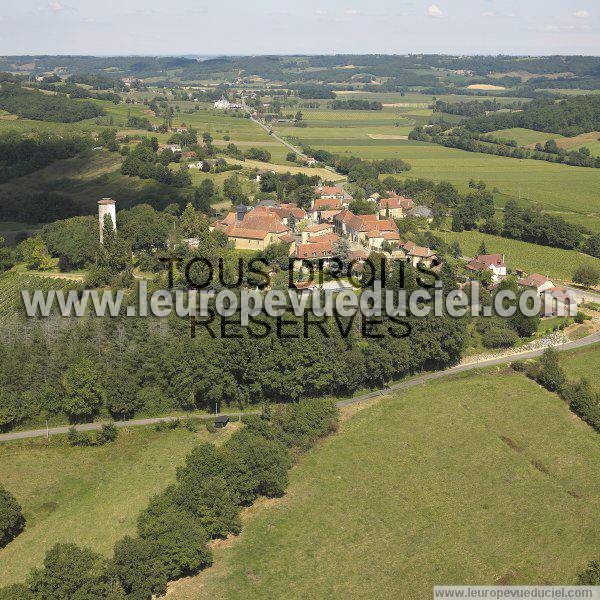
<point>403,385</point>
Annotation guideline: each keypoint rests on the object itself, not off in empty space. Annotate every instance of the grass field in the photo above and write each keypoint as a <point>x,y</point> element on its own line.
<point>91,496</point>
<point>552,262</point>
<point>583,363</point>
<point>480,479</point>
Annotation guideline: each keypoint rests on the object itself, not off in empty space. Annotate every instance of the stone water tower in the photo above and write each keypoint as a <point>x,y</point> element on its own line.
<point>107,206</point>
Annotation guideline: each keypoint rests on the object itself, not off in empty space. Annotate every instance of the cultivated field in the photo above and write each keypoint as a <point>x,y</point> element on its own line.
<point>552,262</point>
<point>575,191</point>
<point>413,491</point>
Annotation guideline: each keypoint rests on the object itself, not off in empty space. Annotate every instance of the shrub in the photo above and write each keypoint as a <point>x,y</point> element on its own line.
<point>78,438</point>
<point>301,424</point>
<point>587,275</point>
<point>551,375</point>
<point>499,337</point>
<point>591,575</point>
<point>108,433</point>
<point>520,366</point>
<point>12,521</point>
<point>583,401</point>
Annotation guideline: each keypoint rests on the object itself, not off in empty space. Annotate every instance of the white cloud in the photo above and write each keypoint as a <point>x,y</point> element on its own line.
<point>55,6</point>
<point>434,12</point>
<point>581,14</point>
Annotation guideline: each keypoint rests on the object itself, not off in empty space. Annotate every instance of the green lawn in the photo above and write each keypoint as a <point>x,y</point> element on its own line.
<point>552,262</point>
<point>480,479</point>
<point>91,496</point>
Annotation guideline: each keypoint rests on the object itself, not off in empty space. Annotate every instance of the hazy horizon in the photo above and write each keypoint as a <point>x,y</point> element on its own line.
<point>185,27</point>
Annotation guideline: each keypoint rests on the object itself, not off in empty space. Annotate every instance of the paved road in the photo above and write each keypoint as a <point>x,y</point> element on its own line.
<point>403,385</point>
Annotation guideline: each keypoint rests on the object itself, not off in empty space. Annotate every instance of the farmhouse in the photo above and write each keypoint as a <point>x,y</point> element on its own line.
<point>395,206</point>
<point>559,300</point>
<point>330,191</point>
<point>419,254</point>
<point>492,262</point>
<point>538,282</point>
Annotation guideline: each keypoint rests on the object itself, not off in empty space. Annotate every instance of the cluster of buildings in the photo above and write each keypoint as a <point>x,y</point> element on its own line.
<point>314,233</point>
<point>224,104</point>
<point>555,298</point>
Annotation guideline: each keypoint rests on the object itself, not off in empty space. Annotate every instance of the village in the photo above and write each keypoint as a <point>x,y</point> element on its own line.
<point>329,228</point>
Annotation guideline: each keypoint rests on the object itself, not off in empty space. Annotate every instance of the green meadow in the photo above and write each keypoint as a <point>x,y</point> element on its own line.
<point>91,496</point>
<point>412,492</point>
<point>553,262</point>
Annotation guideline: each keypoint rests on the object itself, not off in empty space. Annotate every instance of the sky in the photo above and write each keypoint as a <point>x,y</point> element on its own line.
<point>203,27</point>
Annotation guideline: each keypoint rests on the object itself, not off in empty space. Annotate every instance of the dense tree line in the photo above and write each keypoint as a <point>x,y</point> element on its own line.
<point>32,104</point>
<point>211,488</point>
<point>469,108</point>
<point>77,91</point>
<point>21,154</point>
<point>358,169</point>
<point>572,116</point>
<point>532,225</point>
<point>355,104</point>
<point>463,139</point>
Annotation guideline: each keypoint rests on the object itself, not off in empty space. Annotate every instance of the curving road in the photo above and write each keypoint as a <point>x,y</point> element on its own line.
<point>403,385</point>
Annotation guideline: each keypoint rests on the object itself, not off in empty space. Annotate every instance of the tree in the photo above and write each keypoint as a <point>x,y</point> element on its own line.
<point>551,374</point>
<point>176,535</point>
<point>587,275</point>
<point>83,391</point>
<point>259,466</point>
<point>35,253</point>
<point>232,189</point>
<point>204,196</point>
<point>72,572</point>
<point>12,521</point>
<point>139,568</point>
<point>592,245</point>
<point>482,248</point>
<point>190,223</point>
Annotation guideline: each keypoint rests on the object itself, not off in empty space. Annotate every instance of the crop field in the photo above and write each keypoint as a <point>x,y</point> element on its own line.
<point>12,282</point>
<point>575,191</point>
<point>91,496</point>
<point>399,501</point>
<point>415,97</point>
<point>552,262</point>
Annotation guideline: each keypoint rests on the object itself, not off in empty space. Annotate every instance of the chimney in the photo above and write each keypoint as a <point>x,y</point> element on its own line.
<point>106,206</point>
